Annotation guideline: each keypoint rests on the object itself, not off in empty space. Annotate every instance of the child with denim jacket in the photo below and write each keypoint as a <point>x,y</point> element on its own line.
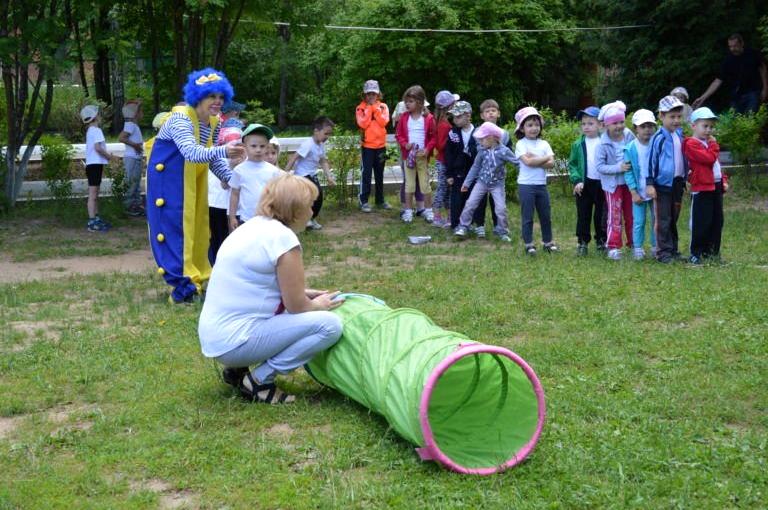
<point>636,153</point>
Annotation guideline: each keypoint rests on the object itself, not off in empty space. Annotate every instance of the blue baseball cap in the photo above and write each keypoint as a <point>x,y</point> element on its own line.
<point>591,111</point>
<point>702,113</point>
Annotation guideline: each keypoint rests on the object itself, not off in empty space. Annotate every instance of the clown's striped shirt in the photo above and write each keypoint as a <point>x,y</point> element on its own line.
<point>179,129</point>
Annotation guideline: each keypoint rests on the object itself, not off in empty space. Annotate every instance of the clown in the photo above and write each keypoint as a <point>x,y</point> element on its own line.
<point>177,183</point>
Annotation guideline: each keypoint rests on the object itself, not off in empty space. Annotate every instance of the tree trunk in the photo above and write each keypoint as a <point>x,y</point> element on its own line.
<point>154,60</point>
<point>282,111</point>
<point>101,78</point>
<point>74,26</point>
<point>179,54</point>
<point>226,33</point>
<point>118,94</point>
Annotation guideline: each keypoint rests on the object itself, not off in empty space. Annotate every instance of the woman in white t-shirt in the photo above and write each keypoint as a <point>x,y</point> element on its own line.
<point>257,310</point>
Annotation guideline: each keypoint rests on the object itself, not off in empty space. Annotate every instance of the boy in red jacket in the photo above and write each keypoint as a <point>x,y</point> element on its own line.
<point>707,184</point>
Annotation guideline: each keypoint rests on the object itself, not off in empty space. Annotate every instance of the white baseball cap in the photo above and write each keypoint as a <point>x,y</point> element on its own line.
<point>643,116</point>
<point>88,113</point>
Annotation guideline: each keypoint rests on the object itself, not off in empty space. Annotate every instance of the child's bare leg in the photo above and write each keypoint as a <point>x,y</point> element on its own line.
<point>409,200</point>
<point>428,200</point>
<point>93,205</point>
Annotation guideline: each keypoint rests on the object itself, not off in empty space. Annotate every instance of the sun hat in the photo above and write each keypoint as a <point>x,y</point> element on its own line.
<point>613,115</point>
<point>233,106</point>
<point>88,113</point>
<point>702,113</point>
<point>159,119</point>
<point>524,113</point>
<point>445,98</point>
<point>589,111</point>
<point>681,91</point>
<point>643,116</point>
<point>668,103</point>
<point>488,129</point>
<point>274,141</point>
<point>615,104</point>
<point>131,108</point>
<point>230,134</point>
<point>460,108</point>
<point>258,128</point>
<point>371,86</point>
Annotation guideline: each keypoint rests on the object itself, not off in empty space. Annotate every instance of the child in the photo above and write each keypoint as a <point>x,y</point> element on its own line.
<point>416,137</point>
<point>249,177</point>
<point>443,103</point>
<point>460,153</point>
<point>490,172</point>
<point>708,183</point>
<point>308,157</point>
<point>133,157</point>
<point>666,177</point>
<point>490,112</point>
<point>583,174</point>
<point>372,116</point>
<point>231,115</point>
<point>273,152</point>
<point>682,95</point>
<point>610,162</point>
<point>535,157</point>
<point>636,153</point>
<point>218,197</point>
<point>418,196</point>
<point>96,156</point>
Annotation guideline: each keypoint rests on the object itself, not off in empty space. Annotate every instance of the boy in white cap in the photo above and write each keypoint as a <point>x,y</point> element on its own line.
<point>636,153</point>
<point>133,157</point>
<point>96,156</point>
<point>665,183</point>
<point>708,183</point>
<point>490,172</point>
<point>682,94</point>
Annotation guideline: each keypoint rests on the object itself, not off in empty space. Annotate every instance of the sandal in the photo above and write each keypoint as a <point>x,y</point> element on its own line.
<point>264,393</point>
<point>234,375</point>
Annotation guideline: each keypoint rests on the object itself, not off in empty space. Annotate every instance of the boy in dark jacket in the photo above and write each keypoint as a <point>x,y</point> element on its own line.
<point>460,152</point>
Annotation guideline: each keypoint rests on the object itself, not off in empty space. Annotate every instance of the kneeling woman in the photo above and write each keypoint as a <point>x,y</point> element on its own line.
<point>257,310</point>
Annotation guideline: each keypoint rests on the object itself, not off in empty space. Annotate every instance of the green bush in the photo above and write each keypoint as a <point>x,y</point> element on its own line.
<point>114,170</point>
<point>561,131</point>
<point>740,134</point>
<point>56,157</point>
<point>255,112</point>
<point>344,157</point>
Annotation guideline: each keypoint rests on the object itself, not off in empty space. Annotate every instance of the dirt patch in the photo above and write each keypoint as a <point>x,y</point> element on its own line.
<point>63,414</point>
<point>136,261</point>
<point>9,425</point>
<point>33,332</point>
<point>169,498</point>
<point>280,431</point>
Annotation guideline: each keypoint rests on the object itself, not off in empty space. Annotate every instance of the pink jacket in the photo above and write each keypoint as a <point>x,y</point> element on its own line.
<point>430,134</point>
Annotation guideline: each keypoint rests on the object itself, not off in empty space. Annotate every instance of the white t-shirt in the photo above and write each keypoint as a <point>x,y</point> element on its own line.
<point>217,197</point>
<point>466,133</point>
<point>592,144</point>
<point>678,155</point>
<point>416,133</point>
<point>134,136</point>
<point>311,154</point>
<point>250,177</point>
<point>717,171</point>
<point>537,147</point>
<point>94,136</point>
<point>243,289</point>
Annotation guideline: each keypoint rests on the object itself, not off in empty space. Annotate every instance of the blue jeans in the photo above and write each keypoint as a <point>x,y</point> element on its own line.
<point>638,223</point>
<point>133,168</point>
<point>283,343</point>
<point>746,102</point>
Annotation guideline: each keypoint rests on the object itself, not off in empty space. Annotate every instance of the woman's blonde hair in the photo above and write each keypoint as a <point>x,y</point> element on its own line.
<point>284,197</point>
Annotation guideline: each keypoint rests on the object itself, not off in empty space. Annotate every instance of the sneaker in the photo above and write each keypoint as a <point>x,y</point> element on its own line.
<point>614,254</point>
<point>480,232</point>
<point>666,260</point>
<point>503,237</point>
<point>429,215</point>
<point>134,212</point>
<point>638,253</point>
<point>94,225</point>
<point>420,212</point>
<point>551,248</point>
<point>407,216</point>
<point>530,250</point>
<point>107,225</point>
<point>314,225</point>
<point>440,223</point>
<point>581,250</point>
<point>366,207</point>
<point>694,260</point>
<point>384,206</point>
<point>460,231</point>
<point>601,247</point>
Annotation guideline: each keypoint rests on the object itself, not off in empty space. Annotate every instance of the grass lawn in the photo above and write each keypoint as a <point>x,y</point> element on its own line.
<point>655,377</point>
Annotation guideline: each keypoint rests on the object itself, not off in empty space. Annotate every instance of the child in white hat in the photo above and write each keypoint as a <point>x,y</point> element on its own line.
<point>636,154</point>
<point>133,157</point>
<point>96,156</point>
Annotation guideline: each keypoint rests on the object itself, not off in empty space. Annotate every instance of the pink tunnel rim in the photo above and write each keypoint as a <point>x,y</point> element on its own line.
<point>431,451</point>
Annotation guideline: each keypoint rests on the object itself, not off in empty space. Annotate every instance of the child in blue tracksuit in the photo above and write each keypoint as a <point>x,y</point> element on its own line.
<point>636,153</point>
<point>667,169</point>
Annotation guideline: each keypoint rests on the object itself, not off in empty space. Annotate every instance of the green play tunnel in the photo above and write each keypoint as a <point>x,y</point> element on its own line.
<point>472,407</point>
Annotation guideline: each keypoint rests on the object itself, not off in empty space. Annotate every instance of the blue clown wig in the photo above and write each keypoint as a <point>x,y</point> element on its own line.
<point>207,81</point>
